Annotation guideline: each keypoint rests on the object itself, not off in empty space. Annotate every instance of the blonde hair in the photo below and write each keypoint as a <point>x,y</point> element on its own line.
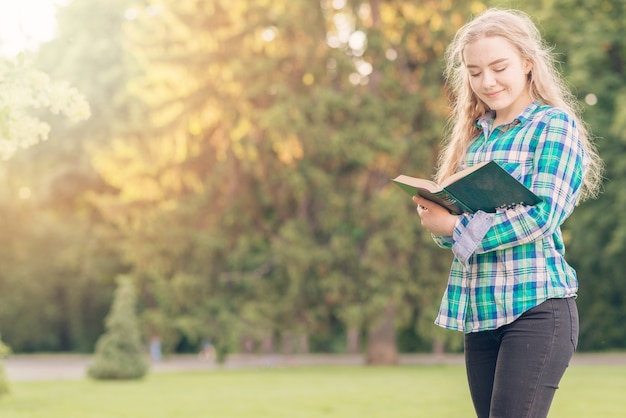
<point>545,84</point>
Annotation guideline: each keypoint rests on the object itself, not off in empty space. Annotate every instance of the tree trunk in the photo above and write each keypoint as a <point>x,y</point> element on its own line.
<point>382,348</point>
<point>247,345</point>
<point>268,345</point>
<point>438,347</point>
<point>353,340</point>
<point>287,342</point>
<point>303,343</point>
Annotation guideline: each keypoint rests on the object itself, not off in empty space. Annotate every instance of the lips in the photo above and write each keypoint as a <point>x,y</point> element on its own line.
<point>493,95</point>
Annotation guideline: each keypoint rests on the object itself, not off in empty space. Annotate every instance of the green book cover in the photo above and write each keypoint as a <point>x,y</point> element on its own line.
<point>485,186</point>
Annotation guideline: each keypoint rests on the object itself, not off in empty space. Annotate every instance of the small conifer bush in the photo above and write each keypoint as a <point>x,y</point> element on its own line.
<point>119,351</point>
<point>4,381</point>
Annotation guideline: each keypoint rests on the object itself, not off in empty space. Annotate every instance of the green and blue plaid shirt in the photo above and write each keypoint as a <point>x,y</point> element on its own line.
<point>511,261</point>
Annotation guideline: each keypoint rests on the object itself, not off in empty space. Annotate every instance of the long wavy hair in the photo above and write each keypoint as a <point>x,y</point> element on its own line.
<point>544,83</point>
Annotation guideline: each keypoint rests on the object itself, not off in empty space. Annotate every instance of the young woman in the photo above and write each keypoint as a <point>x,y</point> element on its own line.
<point>510,289</point>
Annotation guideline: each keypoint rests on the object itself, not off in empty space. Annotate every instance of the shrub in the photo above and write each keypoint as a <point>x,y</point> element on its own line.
<point>119,351</point>
<point>4,381</point>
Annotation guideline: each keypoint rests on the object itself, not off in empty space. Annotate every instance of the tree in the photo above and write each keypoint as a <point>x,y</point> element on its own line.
<point>45,194</point>
<point>119,351</point>
<point>30,102</point>
<point>275,159</point>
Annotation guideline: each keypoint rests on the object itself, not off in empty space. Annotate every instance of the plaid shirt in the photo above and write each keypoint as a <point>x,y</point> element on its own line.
<point>511,261</point>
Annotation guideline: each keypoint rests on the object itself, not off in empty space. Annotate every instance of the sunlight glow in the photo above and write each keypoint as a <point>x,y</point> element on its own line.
<point>24,24</point>
<point>591,99</point>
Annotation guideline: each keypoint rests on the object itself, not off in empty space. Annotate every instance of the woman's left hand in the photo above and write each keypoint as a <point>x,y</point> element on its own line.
<point>435,218</point>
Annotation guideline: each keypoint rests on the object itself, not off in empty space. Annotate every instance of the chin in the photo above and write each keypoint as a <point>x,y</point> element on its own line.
<point>496,105</point>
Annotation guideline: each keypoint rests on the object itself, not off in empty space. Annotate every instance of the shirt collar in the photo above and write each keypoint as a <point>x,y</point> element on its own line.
<point>489,116</point>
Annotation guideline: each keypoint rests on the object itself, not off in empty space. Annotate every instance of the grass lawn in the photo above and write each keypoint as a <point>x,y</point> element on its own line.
<point>308,392</point>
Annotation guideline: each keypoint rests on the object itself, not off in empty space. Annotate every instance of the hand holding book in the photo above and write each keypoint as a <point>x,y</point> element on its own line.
<point>485,186</point>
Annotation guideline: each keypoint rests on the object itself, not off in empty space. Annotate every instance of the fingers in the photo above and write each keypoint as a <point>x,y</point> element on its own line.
<point>421,203</point>
<point>421,209</point>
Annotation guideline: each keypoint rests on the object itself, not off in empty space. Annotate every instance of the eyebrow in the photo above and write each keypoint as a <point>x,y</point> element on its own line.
<point>498,61</point>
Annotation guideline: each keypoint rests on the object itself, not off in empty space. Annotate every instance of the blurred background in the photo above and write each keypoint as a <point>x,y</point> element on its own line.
<point>232,158</point>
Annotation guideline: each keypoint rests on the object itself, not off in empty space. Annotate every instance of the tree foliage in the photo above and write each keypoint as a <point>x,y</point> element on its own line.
<point>278,158</point>
<point>24,89</point>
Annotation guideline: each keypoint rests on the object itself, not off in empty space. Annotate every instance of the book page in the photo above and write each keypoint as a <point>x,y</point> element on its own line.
<point>460,174</point>
<point>418,183</point>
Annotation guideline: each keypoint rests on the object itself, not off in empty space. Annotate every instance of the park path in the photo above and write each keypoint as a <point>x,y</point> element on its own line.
<point>70,366</point>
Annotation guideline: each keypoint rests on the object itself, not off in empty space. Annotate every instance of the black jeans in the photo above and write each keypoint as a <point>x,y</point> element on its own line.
<point>514,371</point>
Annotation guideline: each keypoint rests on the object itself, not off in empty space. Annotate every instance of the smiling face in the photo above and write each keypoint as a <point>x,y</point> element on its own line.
<point>498,76</point>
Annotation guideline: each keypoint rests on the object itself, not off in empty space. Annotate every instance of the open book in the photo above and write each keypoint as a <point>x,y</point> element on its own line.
<point>485,186</point>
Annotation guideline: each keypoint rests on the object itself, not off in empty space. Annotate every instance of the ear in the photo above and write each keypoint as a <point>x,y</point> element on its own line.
<point>528,66</point>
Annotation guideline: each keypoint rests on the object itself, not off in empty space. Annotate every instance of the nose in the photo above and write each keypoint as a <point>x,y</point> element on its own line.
<point>489,79</point>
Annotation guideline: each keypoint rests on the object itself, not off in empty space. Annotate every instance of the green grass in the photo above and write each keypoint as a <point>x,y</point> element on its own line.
<point>341,392</point>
